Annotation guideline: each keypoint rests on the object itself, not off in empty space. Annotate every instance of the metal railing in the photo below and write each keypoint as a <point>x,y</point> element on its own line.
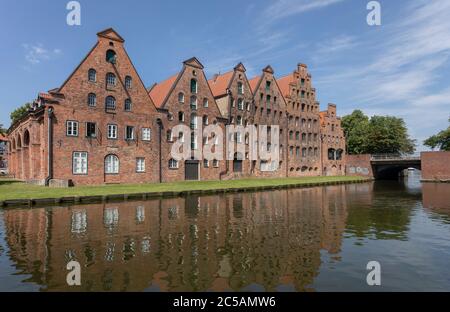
<point>395,157</point>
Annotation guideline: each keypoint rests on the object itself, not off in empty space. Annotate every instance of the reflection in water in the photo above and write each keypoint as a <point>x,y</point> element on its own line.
<point>270,241</point>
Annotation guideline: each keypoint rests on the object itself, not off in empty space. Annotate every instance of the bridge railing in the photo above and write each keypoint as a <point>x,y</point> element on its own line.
<point>395,156</point>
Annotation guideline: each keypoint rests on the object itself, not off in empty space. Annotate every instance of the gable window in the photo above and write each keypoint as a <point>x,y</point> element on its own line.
<point>110,103</point>
<point>240,88</point>
<point>128,81</point>
<point>169,136</point>
<point>146,134</point>
<point>205,120</point>
<point>239,120</point>
<point>247,106</point>
<point>181,97</point>
<point>129,133</point>
<point>181,116</point>
<point>240,104</point>
<point>140,164</point>
<point>181,137</point>
<point>111,56</point>
<point>92,75</point>
<point>205,103</point>
<point>128,105</point>
<point>194,122</point>
<point>232,103</point>
<point>194,87</point>
<point>112,131</point>
<point>193,102</point>
<point>72,128</point>
<point>111,164</point>
<point>91,130</point>
<point>268,85</point>
<point>79,163</point>
<point>110,79</point>
<point>92,100</point>
<point>173,164</point>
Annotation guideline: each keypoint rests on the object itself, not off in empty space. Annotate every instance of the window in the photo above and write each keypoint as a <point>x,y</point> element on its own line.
<point>232,103</point>
<point>268,85</point>
<point>110,103</point>
<point>140,164</point>
<point>239,120</point>
<point>112,131</point>
<point>129,133</point>
<point>111,164</point>
<point>194,122</point>
<point>79,163</point>
<point>92,75</point>
<point>240,88</point>
<point>181,97</point>
<point>205,103</point>
<point>206,163</point>
<point>240,104</point>
<point>72,128</point>
<point>247,106</point>
<point>302,82</point>
<point>181,116</point>
<point>304,152</point>
<point>111,56</point>
<point>181,137</point>
<point>205,120</point>
<point>173,164</point>
<point>146,134</point>
<point>193,86</point>
<point>193,102</point>
<point>92,100</point>
<point>194,142</point>
<point>169,136</point>
<point>110,79</point>
<point>128,105</point>
<point>128,81</point>
<point>91,130</point>
<point>215,163</point>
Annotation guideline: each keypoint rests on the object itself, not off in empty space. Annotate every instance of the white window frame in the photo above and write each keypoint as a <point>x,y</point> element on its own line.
<point>173,164</point>
<point>146,134</point>
<point>112,164</point>
<point>79,163</point>
<point>70,126</point>
<point>140,164</point>
<point>112,129</point>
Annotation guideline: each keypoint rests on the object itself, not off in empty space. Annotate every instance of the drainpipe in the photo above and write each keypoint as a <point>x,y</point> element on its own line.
<point>160,127</point>
<point>50,147</point>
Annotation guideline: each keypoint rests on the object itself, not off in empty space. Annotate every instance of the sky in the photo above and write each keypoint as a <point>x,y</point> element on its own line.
<point>399,68</point>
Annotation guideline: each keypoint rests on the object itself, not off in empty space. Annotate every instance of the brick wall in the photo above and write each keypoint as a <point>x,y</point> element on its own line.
<point>359,165</point>
<point>435,165</point>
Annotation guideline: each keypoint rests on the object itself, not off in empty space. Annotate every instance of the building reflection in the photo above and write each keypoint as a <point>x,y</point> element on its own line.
<point>250,241</point>
<point>436,198</point>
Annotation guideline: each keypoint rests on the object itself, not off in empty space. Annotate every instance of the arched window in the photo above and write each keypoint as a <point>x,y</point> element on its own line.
<point>205,120</point>
<point>92,100</point>
<point>181,97</point>
<point>110,79</point>
<point>110,103</point>
<point>92,75</point>
<point>26,138</point>
<point>111,164</point>
<point>240,88</point>
<point>193,122</point>
<point>19,141</point>
<point>128,81</point>
<point>111,56</point>
<point>193,102</point>
<point>194,87</point>
<point>239,120</point>
<point>128,105</point>
<point>205,103</point>
<point>331,154</point>
<point>240,104</point>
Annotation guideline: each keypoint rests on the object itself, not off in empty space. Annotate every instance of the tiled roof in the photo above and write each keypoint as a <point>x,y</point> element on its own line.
<point>45,96</point>
<point>220,83</point>
<point>253,82</point>
<point>159,92</point>
<point>283,84</point>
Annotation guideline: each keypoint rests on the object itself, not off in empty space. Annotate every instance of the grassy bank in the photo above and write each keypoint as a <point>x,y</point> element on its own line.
<point>10,189</point>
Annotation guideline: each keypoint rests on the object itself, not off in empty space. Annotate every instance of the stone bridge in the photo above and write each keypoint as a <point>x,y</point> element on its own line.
<point>389,166</point>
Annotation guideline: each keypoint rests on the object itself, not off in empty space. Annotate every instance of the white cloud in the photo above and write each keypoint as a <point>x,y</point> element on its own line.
<point>36,53</point>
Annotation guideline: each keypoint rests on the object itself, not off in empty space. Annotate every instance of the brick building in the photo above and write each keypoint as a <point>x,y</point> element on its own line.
<point>333,143</point>
<point>3,154</point>
<point>103,126</point>
<point>303,123</point>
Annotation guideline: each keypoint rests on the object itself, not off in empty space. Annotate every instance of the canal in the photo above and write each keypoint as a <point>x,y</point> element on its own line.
<point>310,239</point>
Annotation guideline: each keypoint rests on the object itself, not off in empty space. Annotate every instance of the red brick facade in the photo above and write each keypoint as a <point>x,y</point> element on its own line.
<point>103,126</point>
<point>435,166</point>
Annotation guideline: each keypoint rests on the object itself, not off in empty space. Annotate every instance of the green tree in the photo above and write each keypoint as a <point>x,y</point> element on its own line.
<point>19,112</point>
<point>440,140</point>
<point>377,135</point>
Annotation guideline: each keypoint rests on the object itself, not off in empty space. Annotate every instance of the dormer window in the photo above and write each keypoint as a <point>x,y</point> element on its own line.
<point>128,82</point>
<point>92,75</point>
<point>111,56</point>
<point>110,79</point>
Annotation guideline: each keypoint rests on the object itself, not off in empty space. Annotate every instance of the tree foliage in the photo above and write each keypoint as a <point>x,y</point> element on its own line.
<point>376,135</point>
<point>440,140</point>
<point>19,112</point>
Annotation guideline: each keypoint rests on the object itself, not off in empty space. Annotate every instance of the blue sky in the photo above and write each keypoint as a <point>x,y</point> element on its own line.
<point>399,68</point>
